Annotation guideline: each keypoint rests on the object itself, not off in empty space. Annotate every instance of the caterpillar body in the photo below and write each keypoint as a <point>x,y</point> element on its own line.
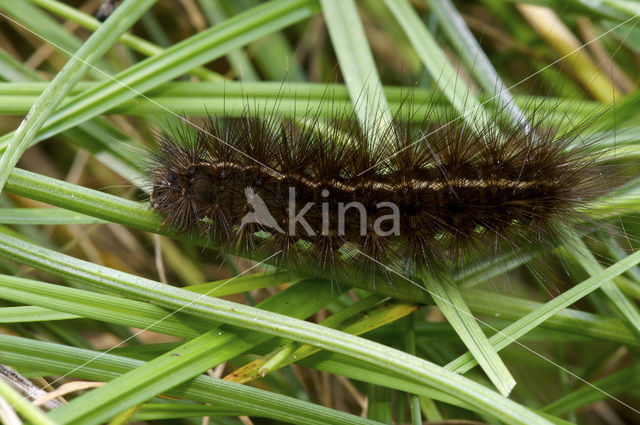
<point>431,196</point>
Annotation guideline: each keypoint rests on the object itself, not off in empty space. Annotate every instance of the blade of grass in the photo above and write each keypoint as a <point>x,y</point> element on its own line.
<point>414,399</point>
<point>379,404</point>
<point>159,411</point>
<point>372,316</point>
<point>550,27</point>
<point>474,57</point>
<point>97,44</point>
<point>448,298</point>
<point>44,216</point>
<point>626,309</point>
<point>276,45</point>
<point>283,99</point>
<point>220,288</point>
<point>358,68</point>
<point>436,63</point>
<point>25,314</point>
<point>567,320</point>
<point>613,384</point>
<point>107,308</point>
<point>238,59</point>
<point>13,70</point>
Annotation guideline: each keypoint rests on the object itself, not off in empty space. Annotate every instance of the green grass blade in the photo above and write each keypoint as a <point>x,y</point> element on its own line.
<point>414,399</point>
<point>363,316</point>
<point>275,45</point>
<point>107,308</point>
<point>44,216</point>
<point>448,298</point>
<point>13,70</point>
<point>434,59</point>
<point>244,283</point>
<point>160,411</point>
<point>612,384</point>
<point>474,57</point>
<point>197,99</point>
<point>567,321</point>
<point>357,67</point>
<point>238,59</point>
<point>626,309</point>
<point>32,314</point>
<point>99,42</point>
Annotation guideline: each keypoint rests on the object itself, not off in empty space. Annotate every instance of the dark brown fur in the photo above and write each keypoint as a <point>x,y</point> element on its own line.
<point>457,192</point>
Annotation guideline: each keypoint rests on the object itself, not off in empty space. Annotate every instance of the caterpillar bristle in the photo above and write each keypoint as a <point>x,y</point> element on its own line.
<point>316,197</point>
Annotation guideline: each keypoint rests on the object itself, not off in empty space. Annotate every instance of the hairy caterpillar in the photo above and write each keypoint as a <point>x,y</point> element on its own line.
<point>433,196</point>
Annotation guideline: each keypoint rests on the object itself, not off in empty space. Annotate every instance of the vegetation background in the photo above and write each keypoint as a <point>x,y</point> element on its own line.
<point>103,305</point>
